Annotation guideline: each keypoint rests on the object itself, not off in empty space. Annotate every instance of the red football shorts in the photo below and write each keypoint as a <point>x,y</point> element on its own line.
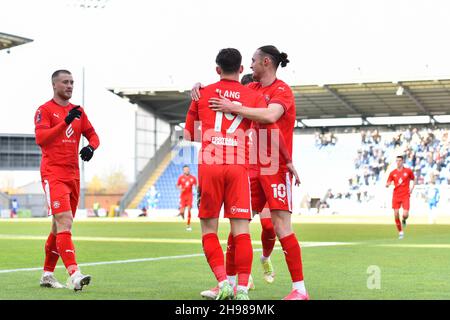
<point>224,184</point>
<point>275,189</point>
<point>61,195</point>
<point>402,201</point>
<point>186,201</point>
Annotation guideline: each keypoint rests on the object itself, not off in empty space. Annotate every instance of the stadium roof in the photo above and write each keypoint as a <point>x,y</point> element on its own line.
<point>8,41</point>
<point>329,101</point>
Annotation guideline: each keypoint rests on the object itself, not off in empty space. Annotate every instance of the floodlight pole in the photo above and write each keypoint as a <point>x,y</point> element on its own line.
<point>85,5</point>
<point>82,175</point>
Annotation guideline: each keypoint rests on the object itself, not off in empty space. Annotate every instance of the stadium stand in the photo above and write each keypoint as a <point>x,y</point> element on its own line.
<point>169,195</point>
<point>334,122</point>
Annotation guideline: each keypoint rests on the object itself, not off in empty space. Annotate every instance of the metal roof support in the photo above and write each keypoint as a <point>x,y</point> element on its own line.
<point>414,99</point>
<point>341,100</point>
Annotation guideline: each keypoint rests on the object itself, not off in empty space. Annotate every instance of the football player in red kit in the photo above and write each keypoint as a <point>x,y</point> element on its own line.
<point>58,128</point>
<point>185,183</point>
<point>402,178</point>
<point>275,188</point>
<point>223,172</point>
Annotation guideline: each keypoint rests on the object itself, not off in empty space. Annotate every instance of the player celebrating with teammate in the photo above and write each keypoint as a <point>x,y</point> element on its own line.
<point>223,171</point>
<point>275,189</point>
<point>402,178</point>
<point>185,183</point>
<point>58,127</point>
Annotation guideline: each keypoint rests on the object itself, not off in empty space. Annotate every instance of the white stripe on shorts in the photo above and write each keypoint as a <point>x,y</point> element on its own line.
<point>289,191</point>
<point>47,194</point>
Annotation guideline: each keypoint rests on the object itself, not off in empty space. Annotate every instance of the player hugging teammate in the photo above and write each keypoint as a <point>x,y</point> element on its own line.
<point>226,110</point>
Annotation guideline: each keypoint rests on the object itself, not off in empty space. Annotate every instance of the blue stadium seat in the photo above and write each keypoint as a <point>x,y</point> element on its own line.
<point>165,185</point>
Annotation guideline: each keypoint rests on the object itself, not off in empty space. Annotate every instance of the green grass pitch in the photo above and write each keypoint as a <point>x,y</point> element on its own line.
<point>416,267</point>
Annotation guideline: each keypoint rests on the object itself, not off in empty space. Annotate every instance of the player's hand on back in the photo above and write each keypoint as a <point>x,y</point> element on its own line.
<point>73,113</point>
<point>195,91</point>
<point>86,153</point>
<point>294,173</point>
<point>223,105</point>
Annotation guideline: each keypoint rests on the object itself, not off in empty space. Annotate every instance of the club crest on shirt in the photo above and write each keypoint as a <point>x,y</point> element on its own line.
<point>267,97</point>
<point>56,204</point>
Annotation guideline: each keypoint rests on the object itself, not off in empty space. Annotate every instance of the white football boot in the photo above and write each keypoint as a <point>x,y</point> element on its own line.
<point>77,281</point>
<point>49,281</point>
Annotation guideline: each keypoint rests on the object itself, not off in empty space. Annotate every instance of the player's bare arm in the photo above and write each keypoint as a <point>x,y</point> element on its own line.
<point>271,114</point>
<point>195,91</point>
<point>293,171</point>
<point>413,184</point>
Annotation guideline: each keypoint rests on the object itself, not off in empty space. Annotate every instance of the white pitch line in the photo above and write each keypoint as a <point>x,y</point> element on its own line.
<point>429,246</point>
<point>88,264</point>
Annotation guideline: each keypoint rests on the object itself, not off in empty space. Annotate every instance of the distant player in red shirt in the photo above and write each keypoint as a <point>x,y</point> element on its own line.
<point>275,189</point>
<point>58,129</point>
<point>402,178</point>
<point>185,183</point>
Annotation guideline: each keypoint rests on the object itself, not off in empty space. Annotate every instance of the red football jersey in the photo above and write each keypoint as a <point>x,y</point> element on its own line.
<point>223,139</point>
<point>60,148</point>
<point>401,179</point>
<point>186,182</point>
<point>279,92</point>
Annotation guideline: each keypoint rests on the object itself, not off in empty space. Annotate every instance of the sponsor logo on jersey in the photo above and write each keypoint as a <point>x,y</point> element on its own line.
<point>69,131</point>
<point>224,141</point>
<point>56,115</point>
<point>235,210</point>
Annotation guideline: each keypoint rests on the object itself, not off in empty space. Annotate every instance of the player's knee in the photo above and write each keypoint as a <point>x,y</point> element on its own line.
<point>239,226</point>
<point>63,221</point>
<point>282,227</point>
<point>209,225</point>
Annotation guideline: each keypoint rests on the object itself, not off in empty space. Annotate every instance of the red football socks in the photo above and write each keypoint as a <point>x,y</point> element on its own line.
<point>229,264</point>
<point>214,255</point>
<point>268,236</point>
<point>243,258</point>
<point>399,224</point>
<point>189,217</point>
<point>293,256</point>
<point>51,253</point>
<point>66,250</point>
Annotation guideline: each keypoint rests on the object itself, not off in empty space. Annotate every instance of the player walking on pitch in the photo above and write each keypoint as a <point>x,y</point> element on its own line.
<point>275,189</point>
<point>58,128</point>
<point>185,183</point>
<point>402,178</point>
